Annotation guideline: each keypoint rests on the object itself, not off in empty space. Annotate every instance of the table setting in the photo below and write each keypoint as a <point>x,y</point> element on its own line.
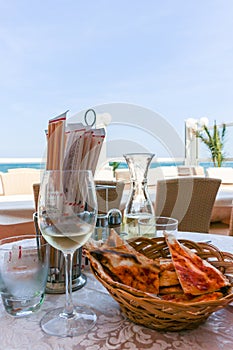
<point>112,329</point>
<point>121,301</point>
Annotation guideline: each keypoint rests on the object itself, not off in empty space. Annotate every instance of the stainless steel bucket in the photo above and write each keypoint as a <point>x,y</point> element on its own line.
<point>56,274</point>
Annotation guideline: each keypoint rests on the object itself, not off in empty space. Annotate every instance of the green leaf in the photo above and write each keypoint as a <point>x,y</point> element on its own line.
<point>214,142</point>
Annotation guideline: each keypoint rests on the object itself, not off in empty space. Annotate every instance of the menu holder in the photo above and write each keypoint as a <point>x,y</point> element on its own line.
<point>73,147</point>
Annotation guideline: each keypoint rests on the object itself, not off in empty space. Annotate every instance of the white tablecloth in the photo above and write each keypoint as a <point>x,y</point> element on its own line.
<point>112,329</point>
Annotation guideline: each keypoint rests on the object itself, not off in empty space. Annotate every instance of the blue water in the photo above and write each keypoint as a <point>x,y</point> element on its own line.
<point>155,165</point>
<point>123,165</point>
<point>209,164</point>
<point>5,166</point>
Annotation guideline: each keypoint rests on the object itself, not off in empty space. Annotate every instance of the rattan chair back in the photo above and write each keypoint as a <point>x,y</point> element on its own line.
<point>190,200</point>
<point>109,194</point>
<point>36,190</point>
<point>230,233</point>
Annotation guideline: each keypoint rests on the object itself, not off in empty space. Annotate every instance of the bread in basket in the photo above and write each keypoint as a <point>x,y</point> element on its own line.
<point>152,311</point>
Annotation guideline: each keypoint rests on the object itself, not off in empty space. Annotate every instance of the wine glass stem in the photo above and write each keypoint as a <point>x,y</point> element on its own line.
<point>69,307</point>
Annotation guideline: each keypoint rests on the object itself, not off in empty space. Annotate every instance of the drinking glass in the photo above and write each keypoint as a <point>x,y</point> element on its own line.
<point>155,226</point>
<point>24,264</point>
<point>67,211</point>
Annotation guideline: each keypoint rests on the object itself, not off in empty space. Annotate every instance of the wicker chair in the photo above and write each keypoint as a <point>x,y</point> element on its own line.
<point>109,194</point>
<point>189,199</point>
<point>230,233</point>
<point>36,190</point>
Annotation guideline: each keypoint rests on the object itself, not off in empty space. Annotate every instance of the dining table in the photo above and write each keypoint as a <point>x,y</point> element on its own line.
<point>112,329</point>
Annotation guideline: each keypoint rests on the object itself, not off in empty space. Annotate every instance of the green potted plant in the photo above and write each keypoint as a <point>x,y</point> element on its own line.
<point>214,141</point>
<point>114,165</point>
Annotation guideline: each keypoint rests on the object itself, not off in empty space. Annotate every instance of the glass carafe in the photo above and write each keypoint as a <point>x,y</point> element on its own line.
<point>139,203</point>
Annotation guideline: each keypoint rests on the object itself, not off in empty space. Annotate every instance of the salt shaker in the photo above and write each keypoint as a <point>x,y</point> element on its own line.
<point>115,219</point>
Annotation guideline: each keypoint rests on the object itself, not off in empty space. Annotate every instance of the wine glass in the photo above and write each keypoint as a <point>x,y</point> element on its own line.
<point>67,212</point>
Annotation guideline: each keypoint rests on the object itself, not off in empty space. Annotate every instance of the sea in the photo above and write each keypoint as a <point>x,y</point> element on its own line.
<point>5,164</point>
<point>205,165</point>
<point>14,163</point>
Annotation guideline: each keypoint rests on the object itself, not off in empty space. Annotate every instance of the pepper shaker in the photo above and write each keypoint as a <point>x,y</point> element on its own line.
<point>101,229</point>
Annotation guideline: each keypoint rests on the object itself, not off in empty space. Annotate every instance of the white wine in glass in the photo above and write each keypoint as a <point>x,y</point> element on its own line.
<point>67,211</point>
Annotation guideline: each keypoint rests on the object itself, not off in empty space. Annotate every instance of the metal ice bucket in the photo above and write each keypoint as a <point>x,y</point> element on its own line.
<point>56,274</point>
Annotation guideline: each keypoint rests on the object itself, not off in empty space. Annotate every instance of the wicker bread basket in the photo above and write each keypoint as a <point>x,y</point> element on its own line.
<point>162,315</point>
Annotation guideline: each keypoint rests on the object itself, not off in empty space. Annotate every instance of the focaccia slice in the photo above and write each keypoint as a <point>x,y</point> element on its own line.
<point>187,299</point>
<point>196,276</point>
<point>171,290</point>
<point>166,264</point>
<point>168,278</point>
<point>127,268</point>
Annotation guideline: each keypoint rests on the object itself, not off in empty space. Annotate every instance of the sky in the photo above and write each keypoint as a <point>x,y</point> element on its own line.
<point>174,57</point>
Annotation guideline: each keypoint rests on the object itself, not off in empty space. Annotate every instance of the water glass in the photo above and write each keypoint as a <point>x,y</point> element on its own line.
<point>24,262</point>
<point>155,226</point>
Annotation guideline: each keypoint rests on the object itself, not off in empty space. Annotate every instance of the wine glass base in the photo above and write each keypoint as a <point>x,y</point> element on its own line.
<point>57,323</point>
